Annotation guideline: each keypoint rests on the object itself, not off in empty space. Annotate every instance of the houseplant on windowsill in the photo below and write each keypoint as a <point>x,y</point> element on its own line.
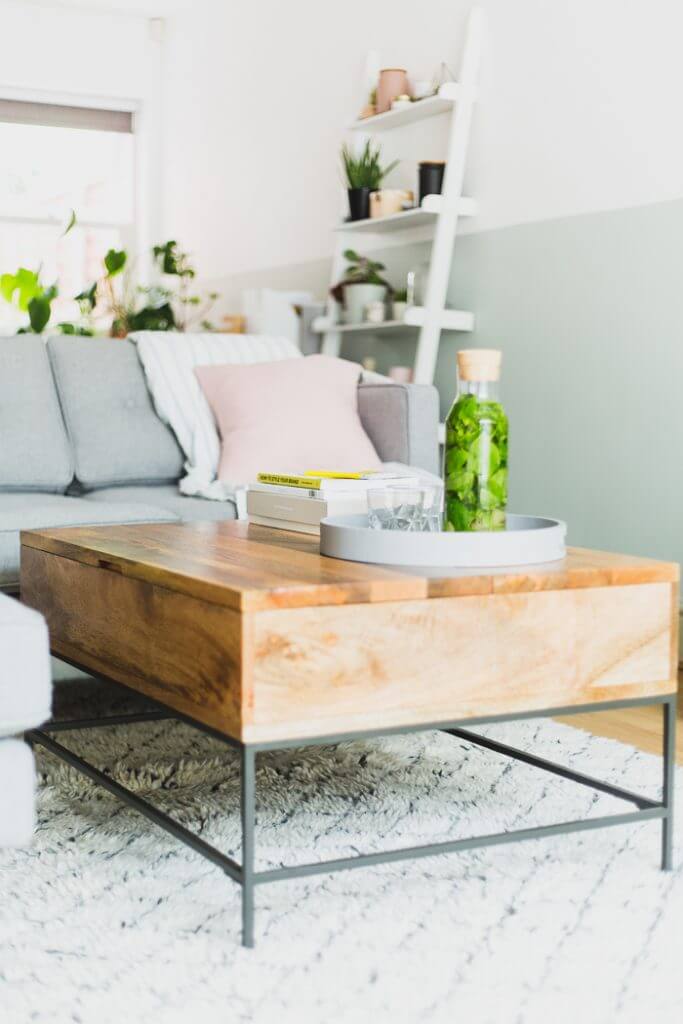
<point>361,284</point>
<point>158,307</point>
<point>364,174</point>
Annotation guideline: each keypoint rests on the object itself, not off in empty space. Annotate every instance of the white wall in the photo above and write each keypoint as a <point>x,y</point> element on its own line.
<point>579,111</point>
<point>58,49</point>
<point>579,107</point>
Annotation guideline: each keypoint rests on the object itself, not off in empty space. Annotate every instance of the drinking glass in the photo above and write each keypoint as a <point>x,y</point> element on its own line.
<point>403,507</point>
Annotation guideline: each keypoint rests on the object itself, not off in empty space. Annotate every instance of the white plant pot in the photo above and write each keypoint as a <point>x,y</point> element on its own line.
<point>398,310</point>
<point>357,297</point>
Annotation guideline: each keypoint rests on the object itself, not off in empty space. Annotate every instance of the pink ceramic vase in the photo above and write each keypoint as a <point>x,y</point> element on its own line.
<point>392,82</point>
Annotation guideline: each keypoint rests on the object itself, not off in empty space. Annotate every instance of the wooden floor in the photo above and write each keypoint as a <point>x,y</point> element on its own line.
<point>641,727</point>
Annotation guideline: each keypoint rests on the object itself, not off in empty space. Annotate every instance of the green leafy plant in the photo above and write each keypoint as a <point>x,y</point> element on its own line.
<point>26,292</point>
<point>364,170</point>
<point>401,295</point>
<point>187,308</point>
<point>155,307</point>
<point>475,465</point>
<point>127,306</point>
<point>360,270</point>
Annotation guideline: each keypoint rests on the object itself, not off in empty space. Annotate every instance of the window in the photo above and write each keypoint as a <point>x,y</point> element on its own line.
<point>56,159</point>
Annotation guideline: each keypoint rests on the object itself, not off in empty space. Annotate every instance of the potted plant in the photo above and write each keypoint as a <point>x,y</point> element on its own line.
<point>361,284</point>
<point>399,304</point>
<point>364,174</point>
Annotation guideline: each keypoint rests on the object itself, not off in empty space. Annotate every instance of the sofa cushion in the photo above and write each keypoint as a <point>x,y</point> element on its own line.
<point>402,421</point>
<point>25,681</point>
<point>116,436</point>
<point>34,450</point>
<point>169,362</point>
<point>17,801</point>
<point>293,416</point>
<point>36,511</point>
<point>168,497</point>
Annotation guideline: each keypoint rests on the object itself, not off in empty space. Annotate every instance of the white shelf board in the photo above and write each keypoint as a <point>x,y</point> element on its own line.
<point>451,320</point>
<point>417,217</point>
<point>417,111</point>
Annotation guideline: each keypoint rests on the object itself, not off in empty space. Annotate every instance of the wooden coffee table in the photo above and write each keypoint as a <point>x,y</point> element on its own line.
<point>252,635</point>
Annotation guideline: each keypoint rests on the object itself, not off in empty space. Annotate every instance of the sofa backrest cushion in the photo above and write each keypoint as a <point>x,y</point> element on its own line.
<point>115,435</point>
<point>34,450</point>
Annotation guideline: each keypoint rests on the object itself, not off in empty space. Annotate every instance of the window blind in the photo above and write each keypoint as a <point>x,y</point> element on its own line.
<point>57,115</point>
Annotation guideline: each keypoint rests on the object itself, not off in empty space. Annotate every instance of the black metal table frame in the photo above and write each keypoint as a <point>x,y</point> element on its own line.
<point>245,874</point>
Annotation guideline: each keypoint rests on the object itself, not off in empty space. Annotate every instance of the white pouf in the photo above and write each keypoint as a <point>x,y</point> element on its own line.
<point>25,693</point>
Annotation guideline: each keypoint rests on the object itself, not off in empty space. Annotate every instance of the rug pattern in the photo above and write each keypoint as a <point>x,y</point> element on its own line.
<point>105,918</point>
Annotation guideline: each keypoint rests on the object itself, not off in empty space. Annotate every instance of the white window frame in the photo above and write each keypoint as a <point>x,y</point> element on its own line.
<point>146,155</point>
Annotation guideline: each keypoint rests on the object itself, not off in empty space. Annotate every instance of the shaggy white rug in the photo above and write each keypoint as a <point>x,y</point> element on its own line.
<point>107,919</point>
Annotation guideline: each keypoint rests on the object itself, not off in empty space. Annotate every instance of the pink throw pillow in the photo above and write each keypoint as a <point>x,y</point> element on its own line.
<point>288,416</point>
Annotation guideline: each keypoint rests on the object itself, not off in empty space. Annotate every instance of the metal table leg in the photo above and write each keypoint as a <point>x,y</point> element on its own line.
<point>669,755</point>
<point>247,810</point>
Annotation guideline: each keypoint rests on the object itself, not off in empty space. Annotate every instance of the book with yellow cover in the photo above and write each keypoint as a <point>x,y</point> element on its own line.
<point>328,481</point>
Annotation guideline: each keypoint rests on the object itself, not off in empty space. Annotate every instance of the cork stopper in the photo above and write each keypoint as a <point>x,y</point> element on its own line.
<point>479,363</point>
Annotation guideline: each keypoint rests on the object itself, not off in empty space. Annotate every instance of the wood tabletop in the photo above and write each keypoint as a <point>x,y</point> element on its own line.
<point>254,568</point>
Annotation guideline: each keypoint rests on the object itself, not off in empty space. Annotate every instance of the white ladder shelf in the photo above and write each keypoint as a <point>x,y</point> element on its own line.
<point>436,219</point>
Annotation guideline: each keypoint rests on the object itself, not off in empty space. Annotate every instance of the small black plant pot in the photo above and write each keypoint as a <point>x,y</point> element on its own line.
<point>359,203</point>
<point>431,174</point>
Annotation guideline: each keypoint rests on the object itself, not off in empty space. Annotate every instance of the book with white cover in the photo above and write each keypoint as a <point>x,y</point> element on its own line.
<point>285,524</point>
<point>300,508</point>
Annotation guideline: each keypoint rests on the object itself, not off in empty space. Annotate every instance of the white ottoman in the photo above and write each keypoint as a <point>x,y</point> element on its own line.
<point>25,692</point>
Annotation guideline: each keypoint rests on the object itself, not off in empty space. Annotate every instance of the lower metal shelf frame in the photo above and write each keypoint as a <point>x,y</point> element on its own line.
<point>245,874</point>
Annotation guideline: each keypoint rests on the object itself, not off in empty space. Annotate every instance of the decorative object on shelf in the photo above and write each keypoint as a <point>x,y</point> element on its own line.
<point>399,304</point>
<point>417,279</point>
<point>401,102</point>
<point>392,82</point>
<point>369,364</point>
<point>401,374</point>
<point>370,79</point>
<point>422,88</point>
<point>415,509</point>
<point>430,175</point>
<point>358,298</point>
<point>375,312</point>
<point>361,284</point>
<point>364,174</point>
<point>233,323</point>
<point>370,108</point>
<point>410,288</point>
<point>442,75</point>
<point>388,201</point>
<point>476,450</point>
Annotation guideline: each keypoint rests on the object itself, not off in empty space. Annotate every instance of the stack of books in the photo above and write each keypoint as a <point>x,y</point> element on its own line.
<point>299,501</point>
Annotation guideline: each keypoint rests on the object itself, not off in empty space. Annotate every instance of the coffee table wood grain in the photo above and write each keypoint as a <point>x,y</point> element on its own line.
<point>252,632</point>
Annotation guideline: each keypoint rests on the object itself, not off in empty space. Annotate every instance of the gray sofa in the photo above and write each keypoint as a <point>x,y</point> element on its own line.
<point>81,444</point>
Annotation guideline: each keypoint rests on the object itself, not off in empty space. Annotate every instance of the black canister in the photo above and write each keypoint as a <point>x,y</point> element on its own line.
<point>431,178</point>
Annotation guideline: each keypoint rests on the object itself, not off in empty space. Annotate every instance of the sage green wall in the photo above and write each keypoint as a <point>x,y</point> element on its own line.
<point>588,311</point>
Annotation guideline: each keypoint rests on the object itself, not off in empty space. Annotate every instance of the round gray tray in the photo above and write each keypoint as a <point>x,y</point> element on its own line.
<point>527,540</point>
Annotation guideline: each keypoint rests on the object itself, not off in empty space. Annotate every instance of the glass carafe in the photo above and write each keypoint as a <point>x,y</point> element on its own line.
<point>476,449</point>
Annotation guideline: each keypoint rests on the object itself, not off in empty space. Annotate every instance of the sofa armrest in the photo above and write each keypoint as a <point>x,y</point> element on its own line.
<point>402,421</point>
